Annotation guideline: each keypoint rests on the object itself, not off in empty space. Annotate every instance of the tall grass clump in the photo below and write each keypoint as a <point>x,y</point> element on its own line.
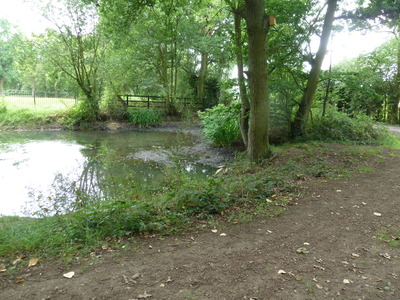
<point>221,124</point>
<point>339,127</point>
<point>3,107</point>
<point>145,117</point>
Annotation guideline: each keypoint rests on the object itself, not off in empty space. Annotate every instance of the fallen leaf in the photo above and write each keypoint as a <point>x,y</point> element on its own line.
<point>319,286</point>
<point>144,296</point>
<point>218,171</point>
<point>32,262</point>
<point>355,255</point>
<point>69,275</point>
<point>2,269</point>
<point>281,272</point>
<point>126,280</point>
<point>385,255</point>
<point>346,281</point>
<point>306,244</point>
<point>222,234</point>
<point>377,214</point>
<point>214,230</point>
<point>20,281</point>
<point>302,250</point>
<point>162,285</point>
<point>319,267</point>
<point>363,203</point>
<point>169,279</point>
<point>14,262</point>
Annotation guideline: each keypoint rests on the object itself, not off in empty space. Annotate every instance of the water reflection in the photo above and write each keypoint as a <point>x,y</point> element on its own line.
<point>53,172</point>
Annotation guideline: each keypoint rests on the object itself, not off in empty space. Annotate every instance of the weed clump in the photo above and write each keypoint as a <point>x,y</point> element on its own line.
<point>145,117</point>
<point>339,127</point>
<point>220,124</point>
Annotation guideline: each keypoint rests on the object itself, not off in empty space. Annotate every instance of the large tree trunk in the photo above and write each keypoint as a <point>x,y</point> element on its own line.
<point>257,29</point>
<point>299,123</point>
<point>244,115</point>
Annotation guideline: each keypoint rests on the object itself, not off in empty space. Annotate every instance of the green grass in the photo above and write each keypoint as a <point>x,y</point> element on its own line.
<point>29,118</point>
<point>18,102</point>
<point>389,236</point>
<point>145,117</point>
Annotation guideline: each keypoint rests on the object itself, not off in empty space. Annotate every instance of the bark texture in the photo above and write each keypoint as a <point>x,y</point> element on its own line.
<point>244,115</point>
<point>257,30</point>
<point>299,123</point>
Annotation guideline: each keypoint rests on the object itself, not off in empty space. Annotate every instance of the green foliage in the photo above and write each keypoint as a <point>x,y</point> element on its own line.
<point>145,117</point>
<point>31,118</point>
<point>3,107</point>
<point>202,198</point>
<point>220,124</point>
<point>390,236</point>
<point>338,126</point>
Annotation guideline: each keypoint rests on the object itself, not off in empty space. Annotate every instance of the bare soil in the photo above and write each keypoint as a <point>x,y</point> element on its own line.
<point>323,247</point>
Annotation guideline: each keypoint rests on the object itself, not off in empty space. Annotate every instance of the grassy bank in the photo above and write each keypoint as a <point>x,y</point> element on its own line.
<point>41,117</point>
<point>239,192</point>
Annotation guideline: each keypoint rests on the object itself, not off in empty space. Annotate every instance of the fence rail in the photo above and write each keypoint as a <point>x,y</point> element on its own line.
<point>43,99</point>
<point>160,102</point>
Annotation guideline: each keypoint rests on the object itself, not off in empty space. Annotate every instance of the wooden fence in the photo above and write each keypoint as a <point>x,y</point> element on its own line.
<point>160,102</point>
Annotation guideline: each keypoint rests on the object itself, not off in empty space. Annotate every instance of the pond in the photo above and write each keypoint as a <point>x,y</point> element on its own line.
<point>51,172</point>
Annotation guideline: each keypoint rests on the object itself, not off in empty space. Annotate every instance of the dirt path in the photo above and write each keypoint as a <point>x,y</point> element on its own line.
<point>334,221</point>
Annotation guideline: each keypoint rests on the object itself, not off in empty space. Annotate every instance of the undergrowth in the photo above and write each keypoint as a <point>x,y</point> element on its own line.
<point>221,124</point>
<point>145,117</point>
<point>339,127</point>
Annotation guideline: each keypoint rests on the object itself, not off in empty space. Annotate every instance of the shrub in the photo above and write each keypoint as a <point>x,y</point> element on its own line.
<point>337,126</point>
<point>220,124</point>
<point>145,117</point>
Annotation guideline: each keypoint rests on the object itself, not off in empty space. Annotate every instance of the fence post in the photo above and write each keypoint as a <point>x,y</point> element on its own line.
<point>34,97</point>
<point>148,102</point>
<point>127,100</point>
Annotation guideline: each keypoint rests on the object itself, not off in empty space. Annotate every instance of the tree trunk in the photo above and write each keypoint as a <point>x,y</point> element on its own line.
<point>244,115</point>
<point>393,105</point>
<point>299,123</point>
<point>202,75</point>
<point>1,85</point>
<point>163,72</point>
<point>257,30</point>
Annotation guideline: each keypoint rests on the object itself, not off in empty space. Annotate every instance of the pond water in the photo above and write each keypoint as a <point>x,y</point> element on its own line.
<point>50,172</point>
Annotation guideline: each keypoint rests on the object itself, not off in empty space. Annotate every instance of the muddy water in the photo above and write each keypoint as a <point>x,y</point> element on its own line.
<point>50,172</point>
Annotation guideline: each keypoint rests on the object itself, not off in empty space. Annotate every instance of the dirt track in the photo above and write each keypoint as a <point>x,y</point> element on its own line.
<point>333,223</point>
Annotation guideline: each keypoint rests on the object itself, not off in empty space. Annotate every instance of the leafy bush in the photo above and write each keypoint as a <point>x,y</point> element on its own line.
<point>220,124</point>
<point>145,117</point>
<point>337,126</point>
